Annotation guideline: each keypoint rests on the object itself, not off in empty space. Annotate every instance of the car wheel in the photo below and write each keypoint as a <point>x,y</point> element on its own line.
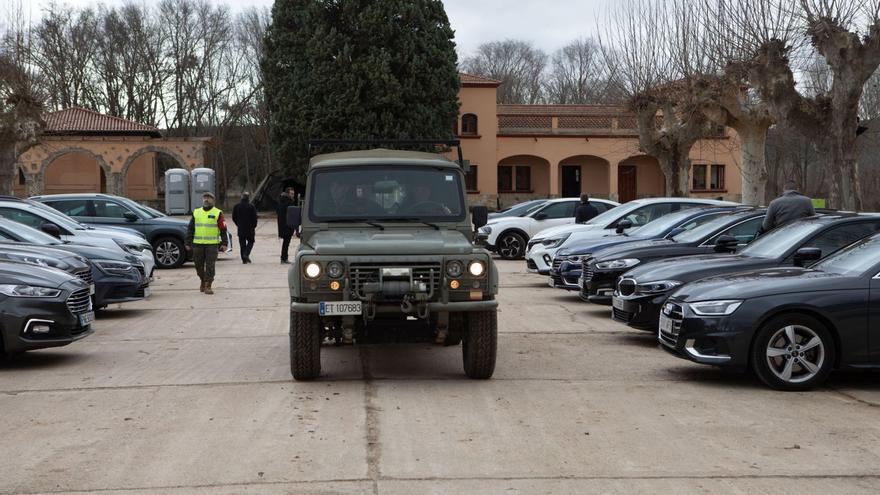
<point>793,352</point>
<point>511,246</point>
<point>169,252</point>
<point>306,334</point>
<point>480,345</point>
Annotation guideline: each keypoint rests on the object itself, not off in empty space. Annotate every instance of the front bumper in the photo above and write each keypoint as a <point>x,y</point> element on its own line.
<point>714,340</point>
<point>20,316</point>
<point>539,259</point>
<point>600,287</point>
<point>452,307</point>
<point>568,277</point>
<point>113,289</point>
<point>638,311</point>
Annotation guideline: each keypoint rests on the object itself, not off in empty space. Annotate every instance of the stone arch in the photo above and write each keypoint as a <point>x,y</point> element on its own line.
<point>528,177</point>
<point>639,176</point>
<point>150,184</point>
<point>593,176</point>
<point>105,170</point>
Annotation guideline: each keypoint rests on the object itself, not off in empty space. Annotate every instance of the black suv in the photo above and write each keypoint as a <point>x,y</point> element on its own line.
<point>164,233</point>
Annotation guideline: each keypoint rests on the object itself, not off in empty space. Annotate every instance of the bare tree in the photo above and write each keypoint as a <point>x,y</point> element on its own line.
<point>517,64</point>
<point>66,42</point>
<point>578,75</point>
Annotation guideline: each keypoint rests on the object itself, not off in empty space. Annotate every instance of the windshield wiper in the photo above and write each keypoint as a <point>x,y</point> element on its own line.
<point>411,219</point>
<point>356,220</point>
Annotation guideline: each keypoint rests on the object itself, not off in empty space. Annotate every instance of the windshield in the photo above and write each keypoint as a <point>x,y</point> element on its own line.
<point>142,209</point>
<point>664,224</point>
<point>853,260</point>
<point>614,213</point>
<point>386,192</point>
<point>57,217</point>
<point>709,228</point>
<point>774,243</point>
<point>523,208</point>
<point>24,233</point>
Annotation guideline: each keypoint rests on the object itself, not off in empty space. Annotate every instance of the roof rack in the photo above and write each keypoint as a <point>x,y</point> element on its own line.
<point>411,143</point>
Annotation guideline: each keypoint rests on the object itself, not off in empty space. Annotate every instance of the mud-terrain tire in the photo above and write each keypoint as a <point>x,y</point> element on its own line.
<point>480,344</point>
<point>305,346</point>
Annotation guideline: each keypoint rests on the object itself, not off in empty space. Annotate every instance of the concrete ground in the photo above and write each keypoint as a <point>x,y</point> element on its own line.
<point>186,393</point>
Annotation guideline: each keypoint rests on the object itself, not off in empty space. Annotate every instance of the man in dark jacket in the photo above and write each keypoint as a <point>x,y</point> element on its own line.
<point>284,232</point>
<point>585,211</point>
<point>244,215</point>
<point>787,208</point>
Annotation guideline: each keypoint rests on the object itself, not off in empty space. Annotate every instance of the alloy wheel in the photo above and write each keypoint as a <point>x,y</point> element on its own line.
<point>510,247</point>
<point>167,253</point>
<point>795,353</point>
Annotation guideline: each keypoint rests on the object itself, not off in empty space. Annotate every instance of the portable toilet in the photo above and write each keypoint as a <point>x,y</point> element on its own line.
<point>177,191</point>
<point>202,182</point>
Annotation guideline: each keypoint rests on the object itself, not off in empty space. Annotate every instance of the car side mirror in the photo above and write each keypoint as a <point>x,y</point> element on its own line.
<point>726,243</point>
<point>541,216</point>
<point>479,216</point>
<point>805,256</point>
<point>294,217</point>
<point>130,217</point>
<point>51,229</point>
<point>623,225</point>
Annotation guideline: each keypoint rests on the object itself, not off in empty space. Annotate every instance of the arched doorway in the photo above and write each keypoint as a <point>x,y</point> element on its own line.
<point>639,177</point>
<point>584,174</point>
<point>522,177</point>
<point>144,173</point>
<point>75,171</point>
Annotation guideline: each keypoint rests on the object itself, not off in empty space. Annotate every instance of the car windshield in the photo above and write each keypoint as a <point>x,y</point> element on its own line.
<point>774,243</point>
<point>663,224</point>
<point>392,193</point>
<point>697,234</point>
<point>143,210</point>
<point>853,260</point>
<point>522,208</point>
<point>613,214</point>
<point>56,216</point>
<point>24,233</point>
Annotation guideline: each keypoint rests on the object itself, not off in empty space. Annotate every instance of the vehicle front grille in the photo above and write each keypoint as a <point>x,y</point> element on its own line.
<point>369,273</point>
<point>587,272</point>
<point>140,268</point>
<point>79,302</point>
<point>86,276</point>
<point>675,313</point>
<point>621,315</point>
<point>557,262</point>
<point>531,264</point>
<point>626,287</point>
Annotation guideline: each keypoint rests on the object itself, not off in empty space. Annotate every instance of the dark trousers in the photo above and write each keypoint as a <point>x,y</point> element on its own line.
<point>205,257</point>
<point>285,246</point>
<point>246,244</point>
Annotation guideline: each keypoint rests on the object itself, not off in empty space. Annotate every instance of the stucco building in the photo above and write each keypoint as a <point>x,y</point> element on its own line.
<point>518,152</point>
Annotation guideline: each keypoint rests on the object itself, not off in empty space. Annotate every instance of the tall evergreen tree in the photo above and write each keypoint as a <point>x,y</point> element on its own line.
<point>358,69</point>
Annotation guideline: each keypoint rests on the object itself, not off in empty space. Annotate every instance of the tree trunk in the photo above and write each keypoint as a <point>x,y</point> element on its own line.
<point>8,171</point>
<point>754,166</point>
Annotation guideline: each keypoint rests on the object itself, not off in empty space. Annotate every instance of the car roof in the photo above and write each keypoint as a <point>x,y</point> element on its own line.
<point>381,156</point>
<point>74,195</point>
<point>560,200</point>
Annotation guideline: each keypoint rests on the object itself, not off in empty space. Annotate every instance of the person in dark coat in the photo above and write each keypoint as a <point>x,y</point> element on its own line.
<point>585,211</point>
<point>284,232</point>
<point>244,215</point>
<point>791,206</point>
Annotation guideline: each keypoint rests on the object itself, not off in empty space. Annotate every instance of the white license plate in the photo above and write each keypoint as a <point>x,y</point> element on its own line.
<point>86,318</point>
<point>618,304</point>
<point>92,289</point>
<point>666,324</point>
<point>550,282</point>
<point>340,308</point>
<point>147,292</point>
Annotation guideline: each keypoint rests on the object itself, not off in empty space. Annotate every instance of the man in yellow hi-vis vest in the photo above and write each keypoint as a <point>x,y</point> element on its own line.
<point>203,237</point>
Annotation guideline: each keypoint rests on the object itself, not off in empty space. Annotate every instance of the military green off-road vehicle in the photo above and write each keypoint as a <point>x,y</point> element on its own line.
<point>387,240</point>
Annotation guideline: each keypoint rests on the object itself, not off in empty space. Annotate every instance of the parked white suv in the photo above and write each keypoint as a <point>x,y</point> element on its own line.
<point>544,244</point>
<point>508,236</point>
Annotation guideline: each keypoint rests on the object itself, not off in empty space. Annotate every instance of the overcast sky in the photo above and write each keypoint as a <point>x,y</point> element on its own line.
<point>549,24</point>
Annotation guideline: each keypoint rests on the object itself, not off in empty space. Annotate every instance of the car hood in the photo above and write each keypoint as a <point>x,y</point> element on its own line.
<point>121,233</point>
<point>633,249</point>
<point>167,221</point>
<point>689,268</point>
<point>92,252</point>
<point>25,274</point>
<point>568,228</point>
<point>761,283</point>
<point>590,246</point>
<point>390,242</point>
<point>56,258</point>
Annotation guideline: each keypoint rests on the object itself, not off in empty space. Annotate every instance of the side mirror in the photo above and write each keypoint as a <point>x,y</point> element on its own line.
<point>479,216</point>
<point>481,239</point>
<point>623,225</point>
<point>51,229</point>
<point>541,216</point>
<point>726,243</point>
<point>294,217</point>
<point>130,217</point>
<point>805,256</point>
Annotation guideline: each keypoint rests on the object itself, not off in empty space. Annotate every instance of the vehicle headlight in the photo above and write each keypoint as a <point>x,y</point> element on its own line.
<point>555,242</point>
<point>658,287</point>
<point>715,308</point>
<point>454,269</point>
<point>28,291</point>
<point>36,260</point>
<point>111,267</point>
<point>617,264</point>
<point>477,268</point>
<point>485,229</point>
<point>335,269</point>
<point>133,247</point>
<point>312,270</point>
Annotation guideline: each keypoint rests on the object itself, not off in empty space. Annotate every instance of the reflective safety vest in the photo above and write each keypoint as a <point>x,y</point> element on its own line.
<point>207,231</point>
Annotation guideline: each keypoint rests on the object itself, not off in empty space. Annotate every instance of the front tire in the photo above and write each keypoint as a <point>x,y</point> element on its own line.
<point>793,353</point>
<point>511,246</point>
<point>169,252</point>
<point>306,334</point>
<point>480,344</point>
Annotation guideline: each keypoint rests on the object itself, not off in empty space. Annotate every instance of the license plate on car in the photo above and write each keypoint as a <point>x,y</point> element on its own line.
<point>86,318</point>
<point>147,292</point>
<point>666,325</point>
<point>340,308</point>
<point>618,304</point>
<point>550,282</point>
<point>92,289</point>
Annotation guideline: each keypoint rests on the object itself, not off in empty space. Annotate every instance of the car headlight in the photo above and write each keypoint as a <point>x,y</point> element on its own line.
<point>454,269</point>
<point>28,291</point>
<point>555,242</point>
<point>115,267</point>
<point>133,247</point>
<point>715,308</point>
<point>477,268</point>
<point>485,229</point>
<point>312,270</point>
<point>36,260</point>
<point>335,269</point>
<point>617,264</point>
<point>658,287</point>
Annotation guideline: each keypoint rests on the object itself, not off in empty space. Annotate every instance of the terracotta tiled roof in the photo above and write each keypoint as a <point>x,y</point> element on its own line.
<point>470,80</point>
<point>77,120</point>
<point>561,110</point>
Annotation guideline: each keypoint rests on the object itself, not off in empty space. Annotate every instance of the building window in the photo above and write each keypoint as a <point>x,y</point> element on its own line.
<point>470,179</point>
<point>523,179</point>
<point>505,178</point>
<point>699,178</point>
<point>468,124</point>
<point>716,181</point>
